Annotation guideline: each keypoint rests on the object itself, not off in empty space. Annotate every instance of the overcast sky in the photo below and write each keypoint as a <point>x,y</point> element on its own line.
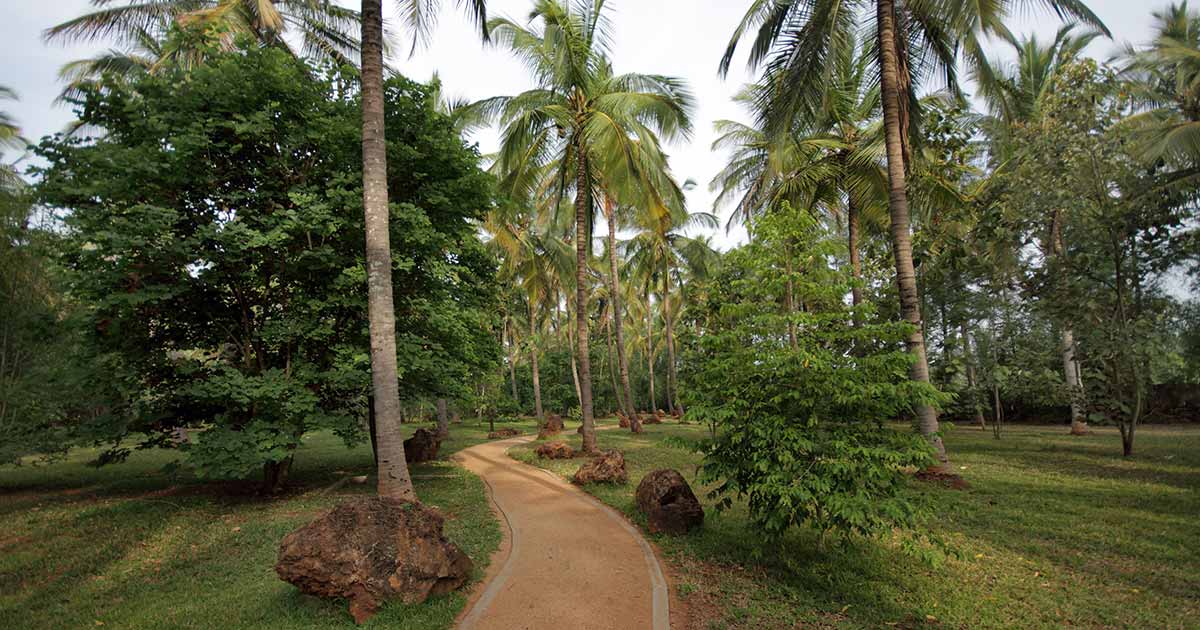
<point>683,38</point>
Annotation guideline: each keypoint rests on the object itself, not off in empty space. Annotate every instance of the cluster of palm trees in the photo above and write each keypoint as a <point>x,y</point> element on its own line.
<point>588,142</point>
<point>836,111</point>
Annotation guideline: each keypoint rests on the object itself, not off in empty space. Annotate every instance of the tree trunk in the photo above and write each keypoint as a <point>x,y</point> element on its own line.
<point>855,261</point>
<point>533,363</point>
<point>583,210</point>
<point>910,305</point>
<point>275,475</point>
<point>612,364</point>
<point>512,361</point>
<point>650,347</point>
<point>969,362</point>
<point>617,315</point>
<point>789,300</point>
<point>1067,339</point>
<point>443,418</point>
<point>669,327</point>
<point>394,481</point>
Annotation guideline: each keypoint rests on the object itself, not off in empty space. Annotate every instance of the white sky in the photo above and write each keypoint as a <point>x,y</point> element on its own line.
<point>683,38</point>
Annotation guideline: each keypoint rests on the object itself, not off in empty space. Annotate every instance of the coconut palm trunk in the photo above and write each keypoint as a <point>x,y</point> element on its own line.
<point>650,347</point>
<point>852,229</point>
<point>617,315</point>
<point>443,418</point>
<point>668,327</point>
<point>969,361</point>
<point>910,300</point>
<point>582,214</point>
<point>612,365</point>
<point>394,480</point>
<point>1067,340</point>
<point>533,364</point>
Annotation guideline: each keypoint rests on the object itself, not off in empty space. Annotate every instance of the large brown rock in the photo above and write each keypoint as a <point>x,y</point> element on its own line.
<point>607,467</point>
<point>421,447</point>
<point>668,502</point>
<point>555,450</point>
<point>373,550</point>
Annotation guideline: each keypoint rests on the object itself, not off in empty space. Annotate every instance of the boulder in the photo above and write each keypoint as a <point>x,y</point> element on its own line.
<point>668,502</point>
<point>554,450</point>
<point>421,447</point>
<point>503,433</point>
<point>373,550</point>
<point>607,467</point>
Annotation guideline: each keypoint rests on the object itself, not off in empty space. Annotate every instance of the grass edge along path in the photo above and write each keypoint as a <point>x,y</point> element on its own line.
<point>132,546</point>
<point>1055,531</point>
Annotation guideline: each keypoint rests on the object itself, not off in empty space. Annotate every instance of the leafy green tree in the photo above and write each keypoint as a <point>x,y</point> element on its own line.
<point>572,131</point>
<point>795,39</point>
<point>211,239</point>
<point>799,430</point>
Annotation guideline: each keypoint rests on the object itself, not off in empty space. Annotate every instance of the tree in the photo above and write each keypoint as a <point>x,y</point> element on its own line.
<point>1019,99</point>
<point>394,481</point>
<point>795,39</point>
<point>566,134</point>
<point>210,240</point>
<point>799,430</point>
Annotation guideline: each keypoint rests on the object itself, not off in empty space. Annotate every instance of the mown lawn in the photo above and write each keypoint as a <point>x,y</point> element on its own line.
<point>130,546</point>
<point>1055,531</point>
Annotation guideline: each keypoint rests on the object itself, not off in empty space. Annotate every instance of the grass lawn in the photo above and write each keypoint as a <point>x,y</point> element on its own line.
<point>129,546</point>
<point>1055,531</point>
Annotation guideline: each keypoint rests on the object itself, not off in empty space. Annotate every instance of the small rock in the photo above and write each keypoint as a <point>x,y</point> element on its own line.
<point>554,450</point>
<point>421,447</point>
<point>668,502</point>
<point>607,467</point>
<point>373,550</point>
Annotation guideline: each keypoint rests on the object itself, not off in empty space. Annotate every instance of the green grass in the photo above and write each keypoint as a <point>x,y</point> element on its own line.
<point>1055,531</point>
<point>130,546</point>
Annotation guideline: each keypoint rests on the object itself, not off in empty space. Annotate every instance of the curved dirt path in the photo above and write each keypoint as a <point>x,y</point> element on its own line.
<point>567,560</point>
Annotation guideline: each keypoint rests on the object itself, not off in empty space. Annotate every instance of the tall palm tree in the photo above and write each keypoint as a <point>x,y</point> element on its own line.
<point>563,135</point>
<point>1015,99</point>
<point>660,250</point>
<point>1165,77</point>
<point>914,38</point>
<point>148,33</point>
<point>420,15</point>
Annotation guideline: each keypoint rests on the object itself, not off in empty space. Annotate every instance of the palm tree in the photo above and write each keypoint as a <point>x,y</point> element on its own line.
<point>660,249</point>
<point>913,38</point>
<point>1015,99</point>
<point>1165,77</point>
<point>566,134</point>
<point>151,35</point>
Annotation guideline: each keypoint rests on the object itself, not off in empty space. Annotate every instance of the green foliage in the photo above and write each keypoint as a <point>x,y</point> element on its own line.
<point>214,242</point>
<point>798,429</point>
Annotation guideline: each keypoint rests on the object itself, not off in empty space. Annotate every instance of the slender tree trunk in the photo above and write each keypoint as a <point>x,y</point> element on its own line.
<point>443,418</point>
<point>910,301</point>
<point>789,299</point>
<point>1067,337</point>
<point>669,327</point>
<point>969,361</point>
<point>394,481</point>
<point>612,363</point>
<point>583,211</point>
<point>574,367</point>
<point>533,364</point>
<point>650,347</point>
<point>617,315</point>
<point>512,360</point>
<point>855,261</point>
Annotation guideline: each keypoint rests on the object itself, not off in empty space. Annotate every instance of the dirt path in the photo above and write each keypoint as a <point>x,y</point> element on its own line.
<point>567,561</point>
